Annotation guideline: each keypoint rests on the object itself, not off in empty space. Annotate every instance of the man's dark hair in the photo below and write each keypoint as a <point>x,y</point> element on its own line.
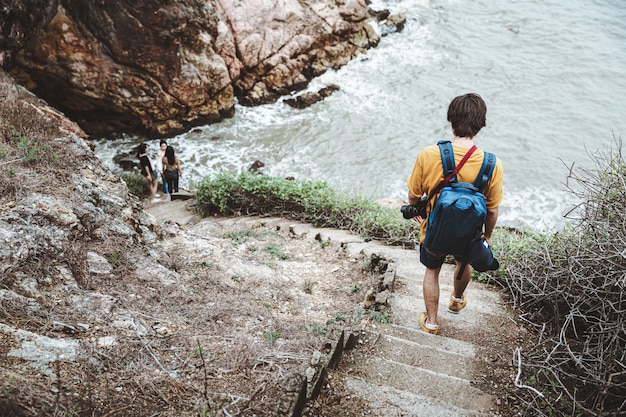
<point>467,114</point>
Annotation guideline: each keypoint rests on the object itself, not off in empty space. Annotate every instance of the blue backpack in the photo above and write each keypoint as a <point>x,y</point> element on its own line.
<point>459,213</point>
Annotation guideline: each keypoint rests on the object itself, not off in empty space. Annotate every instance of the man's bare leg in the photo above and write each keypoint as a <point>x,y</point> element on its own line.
<point>431,294</point>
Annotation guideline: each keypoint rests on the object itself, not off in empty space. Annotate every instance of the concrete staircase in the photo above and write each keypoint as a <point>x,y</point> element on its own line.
<point>396,368</point>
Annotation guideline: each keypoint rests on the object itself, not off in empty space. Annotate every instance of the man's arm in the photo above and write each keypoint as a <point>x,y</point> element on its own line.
<point>490,222</point>
<point>413,199</point>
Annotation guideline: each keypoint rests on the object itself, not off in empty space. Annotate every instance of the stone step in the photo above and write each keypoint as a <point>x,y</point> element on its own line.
<point>324,234</point>
<point>419,337</point>
<point>406,311</point>
<point>294,228</point>
<point>385,401</point>
<point>450,390</point>
<point>477,303</point>
<point>425,352</point>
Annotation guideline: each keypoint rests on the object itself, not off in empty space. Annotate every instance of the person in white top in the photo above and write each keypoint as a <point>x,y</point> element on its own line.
<point>159,164</point>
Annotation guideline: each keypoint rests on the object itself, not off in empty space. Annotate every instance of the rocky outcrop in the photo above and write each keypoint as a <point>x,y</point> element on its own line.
<point>308,99</point>
<point>162,67</point>
<point>70,234</point>
<point>64,217</point>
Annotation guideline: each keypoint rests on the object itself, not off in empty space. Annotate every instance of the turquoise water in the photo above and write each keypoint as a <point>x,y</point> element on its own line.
<point>553,74</point>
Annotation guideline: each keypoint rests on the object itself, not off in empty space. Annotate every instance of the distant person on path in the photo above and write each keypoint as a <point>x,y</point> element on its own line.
<point>146,169</point>
<point>159,163</point>
<point>171,170</point>
<point>467,116</point>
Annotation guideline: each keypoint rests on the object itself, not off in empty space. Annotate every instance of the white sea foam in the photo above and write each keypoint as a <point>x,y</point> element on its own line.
<point>536,208</point>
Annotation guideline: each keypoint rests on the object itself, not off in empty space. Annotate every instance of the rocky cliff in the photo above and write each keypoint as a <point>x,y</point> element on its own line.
<point>68,232</point>
<point>161,67</point>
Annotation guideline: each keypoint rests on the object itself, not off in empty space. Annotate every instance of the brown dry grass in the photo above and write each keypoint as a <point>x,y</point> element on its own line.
<point>570,289</point>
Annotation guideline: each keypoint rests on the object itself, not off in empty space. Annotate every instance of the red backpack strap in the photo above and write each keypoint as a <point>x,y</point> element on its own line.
<point>455,171</point>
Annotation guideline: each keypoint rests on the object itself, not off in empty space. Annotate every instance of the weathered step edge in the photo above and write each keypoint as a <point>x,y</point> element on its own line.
<point>301,388</point>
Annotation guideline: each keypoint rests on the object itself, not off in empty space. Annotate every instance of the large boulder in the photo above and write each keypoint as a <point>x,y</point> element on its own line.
<point>159,68</point>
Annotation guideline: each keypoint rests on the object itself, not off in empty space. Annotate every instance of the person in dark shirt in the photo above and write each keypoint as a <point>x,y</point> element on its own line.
<point>147,170</point>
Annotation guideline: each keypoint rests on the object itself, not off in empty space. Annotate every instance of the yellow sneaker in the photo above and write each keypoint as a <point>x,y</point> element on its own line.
<point>456,304</point>
<point>427,327</point>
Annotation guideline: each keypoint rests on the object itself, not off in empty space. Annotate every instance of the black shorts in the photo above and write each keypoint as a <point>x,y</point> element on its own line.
<point>434,260</point>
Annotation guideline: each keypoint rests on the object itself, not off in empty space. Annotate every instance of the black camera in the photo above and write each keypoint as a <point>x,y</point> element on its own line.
<point>413,210</point>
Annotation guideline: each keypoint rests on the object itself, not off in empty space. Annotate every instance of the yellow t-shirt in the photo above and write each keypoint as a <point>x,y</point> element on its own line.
<point>428,173</point>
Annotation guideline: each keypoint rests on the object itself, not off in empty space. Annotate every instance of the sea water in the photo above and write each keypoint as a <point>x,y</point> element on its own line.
<point>553,75</point>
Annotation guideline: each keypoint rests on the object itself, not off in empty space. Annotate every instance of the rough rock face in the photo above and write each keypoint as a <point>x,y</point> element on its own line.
<point>68,227</point>
<point>162,67</point>
<point>61,210</point>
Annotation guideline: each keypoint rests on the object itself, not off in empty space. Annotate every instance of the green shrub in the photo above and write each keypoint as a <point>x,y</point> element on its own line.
<point>137,184</point>
<point>314,202</point>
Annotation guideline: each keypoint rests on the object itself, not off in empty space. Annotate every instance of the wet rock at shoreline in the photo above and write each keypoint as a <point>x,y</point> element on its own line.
<point>307,99</point>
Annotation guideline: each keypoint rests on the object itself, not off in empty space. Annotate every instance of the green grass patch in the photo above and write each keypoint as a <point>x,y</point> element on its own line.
<point>137,184</point>
<point>313,202</point>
